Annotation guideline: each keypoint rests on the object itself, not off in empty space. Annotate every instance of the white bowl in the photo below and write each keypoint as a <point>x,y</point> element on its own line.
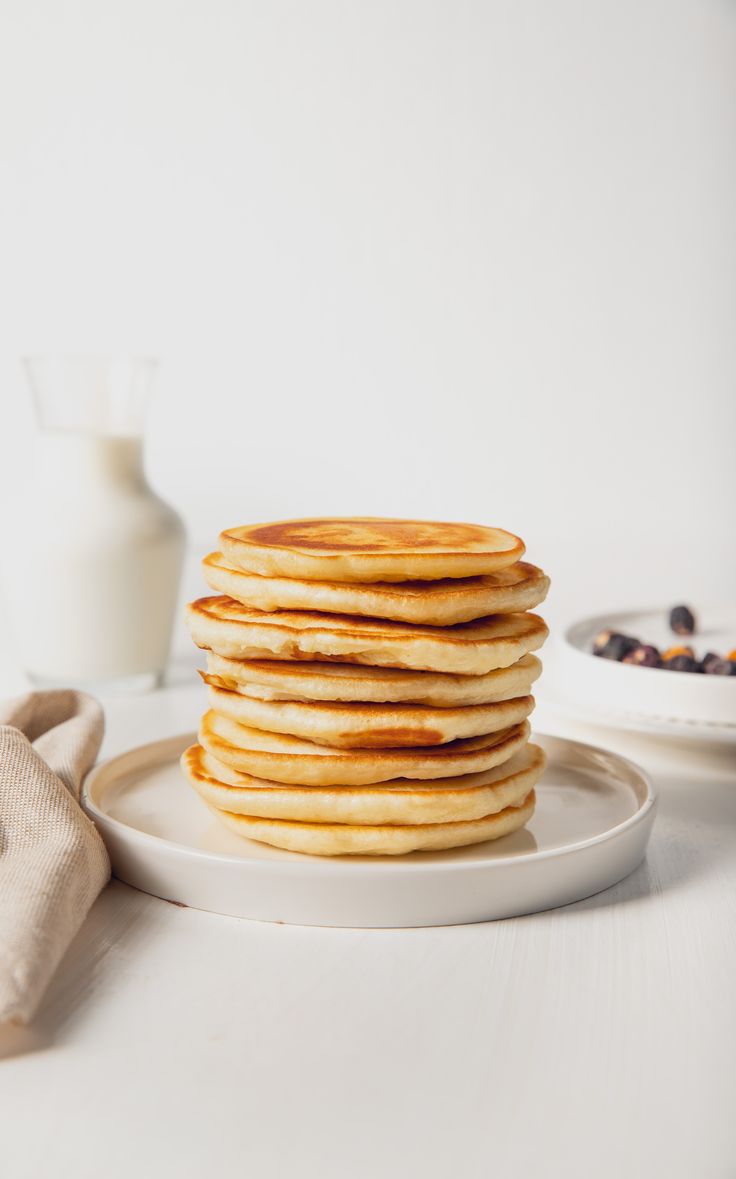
<point>650,697</point>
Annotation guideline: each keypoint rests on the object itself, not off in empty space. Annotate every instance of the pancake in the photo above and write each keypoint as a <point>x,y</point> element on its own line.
<point>436,603</point>
<point>276,679</point>
<point>470,648</point>
<point>447,800</point>
<point>367,726</point>
<point>292,760</point>
<point>339,839</point>
<point>367,549</point>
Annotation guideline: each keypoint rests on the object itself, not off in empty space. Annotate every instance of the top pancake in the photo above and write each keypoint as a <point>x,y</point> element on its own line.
<point>438,603</point>
<point>369,549</point>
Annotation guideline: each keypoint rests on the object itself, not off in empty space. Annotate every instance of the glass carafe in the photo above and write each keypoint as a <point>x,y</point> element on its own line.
<point>93,581</point>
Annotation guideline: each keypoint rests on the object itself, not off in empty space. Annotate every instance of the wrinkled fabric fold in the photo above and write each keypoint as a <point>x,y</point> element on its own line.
<point>53,862</point>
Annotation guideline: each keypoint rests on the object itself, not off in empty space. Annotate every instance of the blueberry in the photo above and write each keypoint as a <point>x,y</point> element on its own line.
<point>682,620</point>
<point>644,656</point>
<point>617,646</point>
<point>708,661</point>
<point>714,665</point>
<point>682,663</point>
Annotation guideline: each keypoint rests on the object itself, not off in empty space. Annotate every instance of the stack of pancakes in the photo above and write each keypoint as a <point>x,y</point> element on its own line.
<point>369,684</point>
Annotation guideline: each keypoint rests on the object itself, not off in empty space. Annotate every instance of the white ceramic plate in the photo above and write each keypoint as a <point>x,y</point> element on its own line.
<point>594,814</point>
<point>649,699</point>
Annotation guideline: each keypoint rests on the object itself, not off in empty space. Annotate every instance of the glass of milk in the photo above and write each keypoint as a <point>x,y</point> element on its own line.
<point>92,588</point>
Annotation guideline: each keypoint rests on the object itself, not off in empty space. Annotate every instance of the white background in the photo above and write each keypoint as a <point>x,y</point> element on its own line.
<point>463,260</point>
<point>470,260</point>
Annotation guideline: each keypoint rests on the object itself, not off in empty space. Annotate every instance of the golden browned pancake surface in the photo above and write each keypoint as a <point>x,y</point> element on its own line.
<point>470,648</point>
<point>367,726</point>
<point>282,758</point>
<point>340,839</point>
<point>445,800</point>
<point>279,679</point>
<point>434,603</point>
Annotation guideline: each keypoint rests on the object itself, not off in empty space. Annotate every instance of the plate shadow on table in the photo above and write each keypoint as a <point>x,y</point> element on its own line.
<point>694,836</point>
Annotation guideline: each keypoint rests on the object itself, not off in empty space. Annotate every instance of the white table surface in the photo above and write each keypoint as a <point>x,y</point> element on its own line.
<point>595,1040</point>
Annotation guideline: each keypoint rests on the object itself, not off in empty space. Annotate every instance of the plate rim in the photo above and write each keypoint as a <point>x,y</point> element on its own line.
<point>364,864</point>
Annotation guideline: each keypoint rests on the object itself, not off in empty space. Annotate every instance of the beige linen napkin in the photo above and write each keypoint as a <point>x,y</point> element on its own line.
<point>53,863</point>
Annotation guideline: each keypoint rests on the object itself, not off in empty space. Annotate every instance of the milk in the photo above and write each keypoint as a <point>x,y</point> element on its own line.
<point>93,575</point>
